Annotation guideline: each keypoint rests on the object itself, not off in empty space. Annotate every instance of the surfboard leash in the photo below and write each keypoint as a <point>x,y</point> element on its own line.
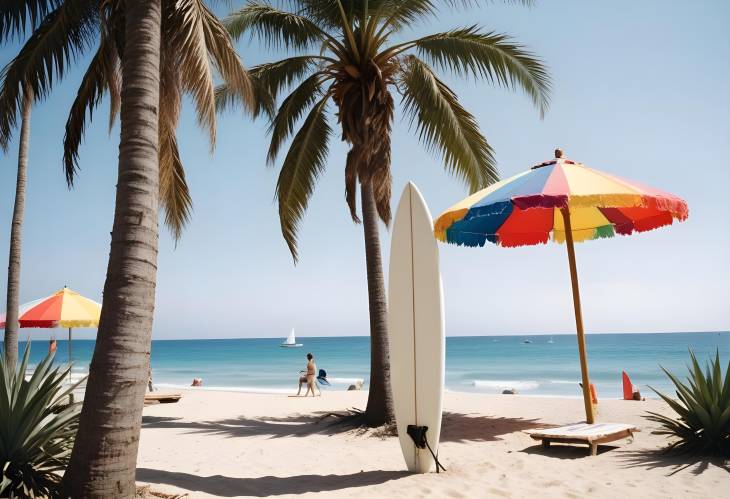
<point>418,435</point>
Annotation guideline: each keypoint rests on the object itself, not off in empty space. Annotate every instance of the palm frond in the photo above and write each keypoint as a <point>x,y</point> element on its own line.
<point>393,15</point>
<point>274,26</point>
<point>226,99</point>
<point>293,107</point>
<point>324,13</point>
<point>351,184</point>
<point>19,16</point>
<point>468,51</point>
<point>303,164</point>
<point>101,76</point>
<point>183,27</point>
<point>443,124</point>
<point>224,57</point>
<point>64,34</point>
<point>113,28</point>
<point>175,195</point>
<point>175,198</point>
<point>396,14</point>
<point>268,80</point>
<point>278,75</point>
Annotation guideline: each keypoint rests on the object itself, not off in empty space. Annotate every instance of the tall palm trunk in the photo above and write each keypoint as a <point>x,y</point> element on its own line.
<point>104,456</point>
<point>380,402</point>
<point>12,310</point>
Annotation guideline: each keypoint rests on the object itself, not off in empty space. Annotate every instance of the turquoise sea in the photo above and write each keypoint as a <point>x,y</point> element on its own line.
<point>486,364</point>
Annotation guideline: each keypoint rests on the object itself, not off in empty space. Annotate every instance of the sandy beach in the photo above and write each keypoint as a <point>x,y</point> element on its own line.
<point>222,444</point>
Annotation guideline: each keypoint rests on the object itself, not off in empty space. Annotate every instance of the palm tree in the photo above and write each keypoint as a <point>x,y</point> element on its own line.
<point>15,18</point>
<point>149,53</point>
<point>10,342</point>
<point>356,67</point>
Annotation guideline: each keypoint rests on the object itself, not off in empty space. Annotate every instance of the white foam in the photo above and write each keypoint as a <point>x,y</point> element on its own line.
<point>345,381</point>
<point>502,384</point>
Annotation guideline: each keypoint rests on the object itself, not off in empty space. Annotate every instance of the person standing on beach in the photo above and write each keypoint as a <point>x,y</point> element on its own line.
<point>308,378</point>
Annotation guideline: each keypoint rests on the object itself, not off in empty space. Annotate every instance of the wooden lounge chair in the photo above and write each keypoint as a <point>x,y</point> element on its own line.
<point>161,398</point>
<point>583,433</point>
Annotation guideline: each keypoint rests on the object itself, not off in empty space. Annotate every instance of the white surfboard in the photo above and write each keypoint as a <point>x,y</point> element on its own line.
<point>416,328</point>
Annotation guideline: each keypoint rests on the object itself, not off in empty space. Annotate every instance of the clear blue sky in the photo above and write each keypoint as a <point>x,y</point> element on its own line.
<point>641,89</point>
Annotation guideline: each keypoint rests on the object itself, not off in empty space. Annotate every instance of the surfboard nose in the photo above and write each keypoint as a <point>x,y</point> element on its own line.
<point>414,195</point>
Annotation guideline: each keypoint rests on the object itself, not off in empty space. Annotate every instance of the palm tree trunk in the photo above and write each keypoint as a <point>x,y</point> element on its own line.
<point>104,456</point>
<point>380,401</point>
<point>10,342</point>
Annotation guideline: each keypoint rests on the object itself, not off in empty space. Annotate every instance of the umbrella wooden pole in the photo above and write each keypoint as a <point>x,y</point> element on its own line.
<point>70,357</point>
<point>590,417</point>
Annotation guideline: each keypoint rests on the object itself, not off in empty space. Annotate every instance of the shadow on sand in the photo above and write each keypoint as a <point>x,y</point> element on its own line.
<point>673,463</point>
<point>567,451</point>
<point>456,427</point>
<point>225,486</point>
<point>296,425</point>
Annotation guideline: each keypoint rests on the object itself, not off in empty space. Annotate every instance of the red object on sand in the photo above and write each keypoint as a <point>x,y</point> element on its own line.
<point>628,387</point>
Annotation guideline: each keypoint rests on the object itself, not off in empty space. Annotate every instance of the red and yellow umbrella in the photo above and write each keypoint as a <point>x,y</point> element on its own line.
<point>565,201</point>
<point>64,308</point>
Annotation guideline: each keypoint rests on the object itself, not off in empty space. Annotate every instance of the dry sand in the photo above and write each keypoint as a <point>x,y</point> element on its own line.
<point>221,444</point>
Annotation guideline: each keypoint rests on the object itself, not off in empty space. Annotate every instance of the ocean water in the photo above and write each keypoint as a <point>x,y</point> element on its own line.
<point>486,364</point>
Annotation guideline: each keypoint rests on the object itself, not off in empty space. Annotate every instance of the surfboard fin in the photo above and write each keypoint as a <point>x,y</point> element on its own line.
<point>418,435</point>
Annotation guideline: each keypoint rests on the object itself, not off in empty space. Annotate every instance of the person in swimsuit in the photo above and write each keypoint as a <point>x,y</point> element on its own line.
<point>308,376</point>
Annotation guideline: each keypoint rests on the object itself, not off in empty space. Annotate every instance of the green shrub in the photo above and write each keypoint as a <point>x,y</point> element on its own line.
<point>703,407</point>
<point>37,428</point>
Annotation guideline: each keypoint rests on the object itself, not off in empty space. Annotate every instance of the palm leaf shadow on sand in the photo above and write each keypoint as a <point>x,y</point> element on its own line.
<point>674,463</point>
<point>456,427</point>
<point>296,425</point>
<point>225,486</point>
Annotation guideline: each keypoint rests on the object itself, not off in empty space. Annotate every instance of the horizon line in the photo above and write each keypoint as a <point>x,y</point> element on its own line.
<point>22,340</point>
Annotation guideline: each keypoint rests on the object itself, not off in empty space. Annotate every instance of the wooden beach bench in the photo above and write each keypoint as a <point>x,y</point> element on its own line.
<point>161,398</point>
<point>584,433</point>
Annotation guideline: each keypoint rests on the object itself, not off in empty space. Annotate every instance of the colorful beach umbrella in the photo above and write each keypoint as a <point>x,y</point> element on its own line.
<point>64,308</point>
<point>563,201</point>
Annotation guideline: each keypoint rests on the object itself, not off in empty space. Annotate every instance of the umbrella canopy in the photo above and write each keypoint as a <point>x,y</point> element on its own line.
<point>525,209</point>
<point>568,202</point>
<point>64,308</point>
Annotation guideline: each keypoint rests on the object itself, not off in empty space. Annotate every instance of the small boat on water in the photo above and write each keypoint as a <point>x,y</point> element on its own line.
<point>291,341</point>
<point>551,340</point>
<point>527,341</point>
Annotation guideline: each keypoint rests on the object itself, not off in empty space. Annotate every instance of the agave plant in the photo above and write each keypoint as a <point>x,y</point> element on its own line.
<point>703,406</point>
<point>37,428</point>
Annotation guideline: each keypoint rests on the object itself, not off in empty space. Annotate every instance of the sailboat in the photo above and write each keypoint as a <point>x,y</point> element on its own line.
<point>291,341</point>
<point>551,340</point>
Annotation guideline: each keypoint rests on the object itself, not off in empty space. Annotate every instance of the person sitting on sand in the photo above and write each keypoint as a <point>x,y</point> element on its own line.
<point>309,377</point>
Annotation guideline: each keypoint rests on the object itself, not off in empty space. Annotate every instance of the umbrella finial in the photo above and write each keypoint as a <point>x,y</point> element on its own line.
<point>558,153</point>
